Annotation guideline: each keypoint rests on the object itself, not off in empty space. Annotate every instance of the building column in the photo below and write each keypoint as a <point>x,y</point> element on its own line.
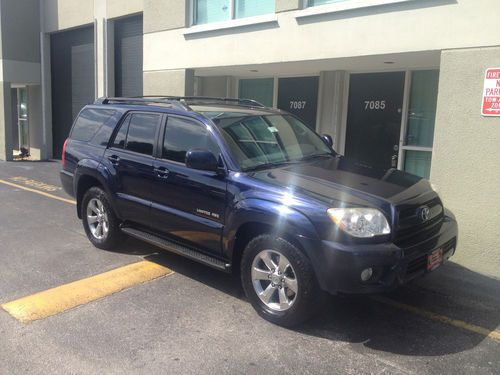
<point>331,108</point>
<point>5,122</point>
<point>179,82</point>
<point>101,41</point>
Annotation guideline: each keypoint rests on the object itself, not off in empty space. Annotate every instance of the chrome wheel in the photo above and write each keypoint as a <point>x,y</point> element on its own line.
<point>97,219</point>
<point>274,280</point>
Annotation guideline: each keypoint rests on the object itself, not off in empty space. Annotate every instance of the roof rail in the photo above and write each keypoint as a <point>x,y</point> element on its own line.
<point>180,102</point>
<point>211,99</point>
<point>144,100</point>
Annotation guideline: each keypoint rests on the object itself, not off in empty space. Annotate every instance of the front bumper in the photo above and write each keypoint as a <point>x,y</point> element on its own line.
<point>338,266</point>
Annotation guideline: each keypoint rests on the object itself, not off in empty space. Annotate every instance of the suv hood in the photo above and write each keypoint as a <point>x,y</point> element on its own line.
<point>338,179</point>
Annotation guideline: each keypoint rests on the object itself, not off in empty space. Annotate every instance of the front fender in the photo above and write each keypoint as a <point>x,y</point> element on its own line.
<point>284,220</point>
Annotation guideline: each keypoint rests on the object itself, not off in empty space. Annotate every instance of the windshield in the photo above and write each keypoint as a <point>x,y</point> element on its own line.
<point>267,140</point>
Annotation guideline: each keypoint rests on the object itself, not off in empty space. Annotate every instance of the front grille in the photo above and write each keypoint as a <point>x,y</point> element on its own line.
<point>419,264</point>
<point>410,225</point>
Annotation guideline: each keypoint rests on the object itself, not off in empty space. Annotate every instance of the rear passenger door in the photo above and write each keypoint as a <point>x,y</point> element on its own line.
<point>130,162</point>
<point>188,204</point>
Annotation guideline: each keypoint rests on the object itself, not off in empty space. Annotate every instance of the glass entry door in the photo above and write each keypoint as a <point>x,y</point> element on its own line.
<point>22,120</point>
<point>374,118</point>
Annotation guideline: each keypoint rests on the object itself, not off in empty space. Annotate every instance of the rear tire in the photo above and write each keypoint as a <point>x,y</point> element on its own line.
<point>279,281</point>
<point>99,220</point>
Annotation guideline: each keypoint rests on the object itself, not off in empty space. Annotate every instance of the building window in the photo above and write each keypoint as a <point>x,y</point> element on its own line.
<point>207,11</point>
<point>419,136</point>
<point>260,89</point>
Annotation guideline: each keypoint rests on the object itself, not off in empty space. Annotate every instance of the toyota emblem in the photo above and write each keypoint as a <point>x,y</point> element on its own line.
<point>424,213</point>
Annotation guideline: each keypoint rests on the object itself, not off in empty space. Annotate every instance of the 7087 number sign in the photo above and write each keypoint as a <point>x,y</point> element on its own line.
<point>297,104</point>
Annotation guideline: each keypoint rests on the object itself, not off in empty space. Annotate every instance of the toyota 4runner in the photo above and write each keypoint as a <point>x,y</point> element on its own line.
<point>239,186</point>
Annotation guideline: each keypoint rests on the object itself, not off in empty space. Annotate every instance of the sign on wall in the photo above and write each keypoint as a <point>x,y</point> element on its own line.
<point>491,93</point>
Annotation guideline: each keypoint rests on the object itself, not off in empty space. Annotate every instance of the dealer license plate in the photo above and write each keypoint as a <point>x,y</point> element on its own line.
<point>435,259</point>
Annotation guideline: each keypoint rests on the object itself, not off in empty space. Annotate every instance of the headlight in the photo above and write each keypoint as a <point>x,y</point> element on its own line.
<point>360,222</point>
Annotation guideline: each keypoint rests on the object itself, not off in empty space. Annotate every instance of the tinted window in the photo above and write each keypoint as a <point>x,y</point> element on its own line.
<point>182,135</point>
<point>121,136</point>
<point>263,140</point>
<point>89,122</point>
<point>141,134</point>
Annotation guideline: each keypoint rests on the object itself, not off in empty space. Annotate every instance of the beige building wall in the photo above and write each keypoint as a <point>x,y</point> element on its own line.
<point>398,28</point>
<point>66,14</point>
<point>466,157</point>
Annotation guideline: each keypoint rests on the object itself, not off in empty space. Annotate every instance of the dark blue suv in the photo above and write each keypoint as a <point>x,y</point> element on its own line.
<point>238,186</point>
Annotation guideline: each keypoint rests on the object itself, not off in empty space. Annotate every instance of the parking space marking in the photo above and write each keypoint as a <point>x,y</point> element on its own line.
<point>493,334</point>
<point>62,298</point>
<point>48,195</point>
<point>35,183</point>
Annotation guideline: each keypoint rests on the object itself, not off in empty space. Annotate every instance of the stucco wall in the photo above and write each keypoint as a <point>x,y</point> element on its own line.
<point>165,15</point>
<point>466,158</point>
<point>119,8</point>
<point>397,28</point>
<point>65,14</point>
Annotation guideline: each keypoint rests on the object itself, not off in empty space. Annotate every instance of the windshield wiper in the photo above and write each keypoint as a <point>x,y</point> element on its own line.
<point>270,165</point>
<point>315,156</point>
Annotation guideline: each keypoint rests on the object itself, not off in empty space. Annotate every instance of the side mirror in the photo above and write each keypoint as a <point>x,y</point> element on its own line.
<point>201,159</point>
<point>327,139</point>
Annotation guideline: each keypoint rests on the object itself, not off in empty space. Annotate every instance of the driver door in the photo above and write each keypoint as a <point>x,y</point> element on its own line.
<point>188,204</point>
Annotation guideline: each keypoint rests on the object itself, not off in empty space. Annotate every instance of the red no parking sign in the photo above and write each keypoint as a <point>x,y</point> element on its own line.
<point>491,93</point>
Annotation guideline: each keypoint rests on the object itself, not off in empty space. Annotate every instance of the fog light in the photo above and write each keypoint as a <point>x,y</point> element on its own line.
<point>366,274</point>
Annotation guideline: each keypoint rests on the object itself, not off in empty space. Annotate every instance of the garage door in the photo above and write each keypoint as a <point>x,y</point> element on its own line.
<point>128,56</point>
<point>73,80</point>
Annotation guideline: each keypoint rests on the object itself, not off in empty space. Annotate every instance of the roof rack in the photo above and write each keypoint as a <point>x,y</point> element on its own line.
<point>211,99</point>
<point>180,102</point>
<point>144,100</point>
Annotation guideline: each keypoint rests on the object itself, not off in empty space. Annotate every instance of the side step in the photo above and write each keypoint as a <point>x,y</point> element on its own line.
<point>178,249</point>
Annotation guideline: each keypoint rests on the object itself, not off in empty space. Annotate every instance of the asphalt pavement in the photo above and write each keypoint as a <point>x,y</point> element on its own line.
<point>196,320</point>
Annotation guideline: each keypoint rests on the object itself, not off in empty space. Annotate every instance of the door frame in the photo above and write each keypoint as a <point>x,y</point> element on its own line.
<point>404,112</point>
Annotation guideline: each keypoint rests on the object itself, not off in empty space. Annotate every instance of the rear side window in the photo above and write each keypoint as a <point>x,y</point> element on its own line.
<point>182,135</point>
<point>89,122</point>
<point>138,133</point>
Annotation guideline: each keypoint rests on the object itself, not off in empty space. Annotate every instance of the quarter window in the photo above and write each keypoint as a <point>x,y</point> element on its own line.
<point>182,135</point>
<point>89,122</point>
<point>207,11</point>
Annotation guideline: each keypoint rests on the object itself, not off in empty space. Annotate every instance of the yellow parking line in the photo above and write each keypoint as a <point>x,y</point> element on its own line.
<point>439,318</point>
<point>62,298</point>
<point>38,192</point>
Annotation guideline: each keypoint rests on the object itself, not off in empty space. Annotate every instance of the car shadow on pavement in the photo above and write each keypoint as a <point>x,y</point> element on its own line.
<point>453,291</point>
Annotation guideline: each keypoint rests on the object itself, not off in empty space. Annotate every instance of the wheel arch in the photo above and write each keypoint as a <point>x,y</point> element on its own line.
<point>250,219</point>
<point>87,176</point>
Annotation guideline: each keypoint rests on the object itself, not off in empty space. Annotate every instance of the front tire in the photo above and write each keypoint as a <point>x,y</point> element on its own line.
<point>279,281</point>
<point>99,220</point>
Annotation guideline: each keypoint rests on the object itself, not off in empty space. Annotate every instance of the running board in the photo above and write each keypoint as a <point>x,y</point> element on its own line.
<point>177,249</point>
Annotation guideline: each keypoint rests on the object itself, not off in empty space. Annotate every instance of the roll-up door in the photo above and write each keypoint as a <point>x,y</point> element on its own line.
<point>73,79</point>
<point>128,56</point>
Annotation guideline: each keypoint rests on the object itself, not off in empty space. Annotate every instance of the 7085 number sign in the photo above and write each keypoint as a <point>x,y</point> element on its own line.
<point>373,105</point>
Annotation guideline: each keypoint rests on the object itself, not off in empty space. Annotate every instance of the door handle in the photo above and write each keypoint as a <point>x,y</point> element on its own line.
<point>162,172</point>
<point>394,161</point>
<point>114,159</point>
